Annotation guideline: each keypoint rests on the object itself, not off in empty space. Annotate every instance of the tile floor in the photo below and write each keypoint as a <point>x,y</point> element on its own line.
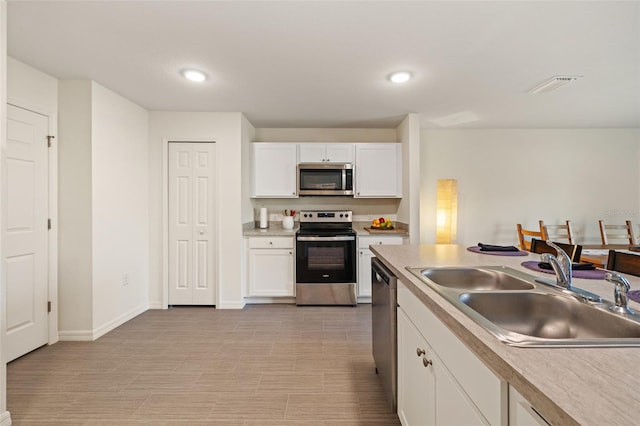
<point>263,365</point>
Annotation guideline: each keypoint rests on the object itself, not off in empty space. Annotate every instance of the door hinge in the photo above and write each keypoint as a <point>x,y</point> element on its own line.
<point>48,223</point>
<point>49,137</point>
<point>49,307</point>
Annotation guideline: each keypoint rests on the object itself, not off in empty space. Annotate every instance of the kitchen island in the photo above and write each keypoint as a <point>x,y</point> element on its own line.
<point>565,385</point>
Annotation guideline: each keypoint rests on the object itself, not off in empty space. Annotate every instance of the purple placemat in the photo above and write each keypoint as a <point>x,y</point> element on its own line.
<point>594,274</point>
<point>476,249</point>
<point>635,295</point>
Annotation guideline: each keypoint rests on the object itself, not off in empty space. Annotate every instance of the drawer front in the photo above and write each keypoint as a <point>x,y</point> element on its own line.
<point>365,242</point>
<point>273,242</point>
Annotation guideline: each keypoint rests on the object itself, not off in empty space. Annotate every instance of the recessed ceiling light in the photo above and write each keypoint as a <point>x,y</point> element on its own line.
<point>554,83</point>
<point>194,75</point>
<point>400,77</point>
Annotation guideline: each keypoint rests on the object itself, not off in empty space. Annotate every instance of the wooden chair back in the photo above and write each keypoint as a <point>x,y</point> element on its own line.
<point>624,262</point>
<point>557,232</point>
<point>573,250</point>
<point>617,232</point>
<point>525,235</point>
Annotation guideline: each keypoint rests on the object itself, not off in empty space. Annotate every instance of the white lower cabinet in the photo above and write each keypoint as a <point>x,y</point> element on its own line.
<point>364,260</point>
<point>440,381</point>
<point>521,412</point>
<point>270,266</point>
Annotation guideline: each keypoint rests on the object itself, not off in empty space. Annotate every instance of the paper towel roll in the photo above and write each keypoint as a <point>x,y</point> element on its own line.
<point>264,220</point>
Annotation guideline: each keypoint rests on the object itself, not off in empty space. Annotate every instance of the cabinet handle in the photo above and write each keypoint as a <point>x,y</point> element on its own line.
<point>291,252</point>
<point>420,351</point>
<point>426,362</point>
<point>293,193</point>
<point>270,243</point>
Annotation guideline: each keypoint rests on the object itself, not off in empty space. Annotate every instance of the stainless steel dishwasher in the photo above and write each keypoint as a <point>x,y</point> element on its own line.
<point>384,292</point>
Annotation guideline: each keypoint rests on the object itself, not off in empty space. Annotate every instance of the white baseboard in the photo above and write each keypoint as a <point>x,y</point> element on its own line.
<point>75,336</point>
<point>111,325</point>
<point>230,305</point>
<point>156,305</point>
<point>90,335</point>
<point>267,300</point>
<point>5,419</point>
<point>364,299</point>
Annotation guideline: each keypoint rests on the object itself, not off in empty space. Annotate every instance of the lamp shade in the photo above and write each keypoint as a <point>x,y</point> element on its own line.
<point>446,211</point>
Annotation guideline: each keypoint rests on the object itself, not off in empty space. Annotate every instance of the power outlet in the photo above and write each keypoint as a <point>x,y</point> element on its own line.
<point>125,279</point>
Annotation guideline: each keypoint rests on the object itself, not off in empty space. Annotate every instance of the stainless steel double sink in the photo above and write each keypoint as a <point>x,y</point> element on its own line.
<point>521,311</point>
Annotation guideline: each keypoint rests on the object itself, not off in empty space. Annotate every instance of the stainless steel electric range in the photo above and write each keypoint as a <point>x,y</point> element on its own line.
<point>326,259</point>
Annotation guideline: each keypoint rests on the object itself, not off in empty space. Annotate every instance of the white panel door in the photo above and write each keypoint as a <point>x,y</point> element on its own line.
<point>27,240</point>
<point>192,204</point>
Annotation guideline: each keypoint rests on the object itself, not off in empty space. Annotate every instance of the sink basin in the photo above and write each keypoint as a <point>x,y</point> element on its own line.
<point>475,279</point>
<point>549,316</point>
<point>520,310</point>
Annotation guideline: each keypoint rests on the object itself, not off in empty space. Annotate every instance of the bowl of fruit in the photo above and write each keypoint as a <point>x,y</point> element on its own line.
<point>382,224</point>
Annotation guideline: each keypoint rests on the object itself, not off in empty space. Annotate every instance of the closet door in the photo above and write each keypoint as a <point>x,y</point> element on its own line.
<point>192,204</point>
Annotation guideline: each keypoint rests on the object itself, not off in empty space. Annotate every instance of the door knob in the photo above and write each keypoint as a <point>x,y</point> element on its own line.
<point>202,232</point>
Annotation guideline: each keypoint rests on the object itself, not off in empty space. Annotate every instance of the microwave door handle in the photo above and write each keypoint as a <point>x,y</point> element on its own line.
<point>344,179</point>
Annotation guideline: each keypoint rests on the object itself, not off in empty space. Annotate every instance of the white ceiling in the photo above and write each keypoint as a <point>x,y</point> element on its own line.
<point>323,64</point>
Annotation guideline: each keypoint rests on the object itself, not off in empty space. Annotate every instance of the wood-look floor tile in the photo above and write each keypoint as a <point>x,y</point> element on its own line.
<point>167,381</point>
<point>291,382</point>
<point>263,365</point>
<point>204,363</point>
<point>252,406</point>
<point>227,382</point>
<point>176,406</point>
<point>98,382</point>
<point>38,407</point>
<point>297,348</point>
<point>320,363</point>
<point>266,363</point>
<point>107,406</point>
<point>313,406</point>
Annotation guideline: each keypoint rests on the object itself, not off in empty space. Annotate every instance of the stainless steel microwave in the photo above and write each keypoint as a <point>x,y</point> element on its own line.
<point>325,179</point>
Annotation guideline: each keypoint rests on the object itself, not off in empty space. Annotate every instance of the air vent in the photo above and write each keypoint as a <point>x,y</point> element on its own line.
<point>554,83</point>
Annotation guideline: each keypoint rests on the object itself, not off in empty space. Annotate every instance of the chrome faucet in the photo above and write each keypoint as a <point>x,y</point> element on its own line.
<point>621,293</point>
<point>561,264</point>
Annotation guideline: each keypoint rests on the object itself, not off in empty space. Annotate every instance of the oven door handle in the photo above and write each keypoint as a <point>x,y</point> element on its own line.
<point>318,238</point>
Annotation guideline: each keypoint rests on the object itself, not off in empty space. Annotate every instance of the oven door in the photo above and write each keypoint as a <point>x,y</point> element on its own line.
<point>321,259</point>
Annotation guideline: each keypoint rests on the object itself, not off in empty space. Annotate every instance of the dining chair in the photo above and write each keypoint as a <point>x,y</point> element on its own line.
<point>573,250</point>
<point>525,236</point>
<point>557,232</point>
<point>617,232</point>
<point>624,262</point>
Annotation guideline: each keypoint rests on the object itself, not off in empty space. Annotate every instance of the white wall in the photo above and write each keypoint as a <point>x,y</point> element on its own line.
<point>524,175</point>
<point>409,209</point>
<point>75,252</point>
<point>120,208</point>
<point>103,210</point>
<point>30,88</point>
<point>225,129</point>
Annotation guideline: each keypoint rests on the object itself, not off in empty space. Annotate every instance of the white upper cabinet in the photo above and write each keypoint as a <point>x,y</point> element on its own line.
<point>274,170</point>
<point>378,170</point>
<point>325,152</point>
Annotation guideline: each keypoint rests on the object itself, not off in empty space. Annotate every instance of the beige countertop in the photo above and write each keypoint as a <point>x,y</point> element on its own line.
<point>275,229</point>
<point>589,386</point>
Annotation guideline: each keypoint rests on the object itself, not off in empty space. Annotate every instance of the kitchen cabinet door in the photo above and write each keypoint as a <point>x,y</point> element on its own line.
<point>521,412</point>
<point>325,152</point>
<point>271,271</point>
<point>274,168</point>
<point>364,263</point>
<point>416,382</point>
<point>378,170</point>
<point>427,393</point>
